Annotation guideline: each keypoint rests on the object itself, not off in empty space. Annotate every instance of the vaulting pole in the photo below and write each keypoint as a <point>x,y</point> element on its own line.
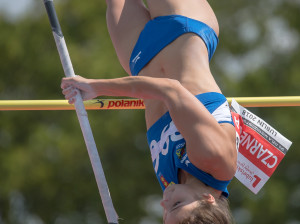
<point>110,212</point>
<point>122,104</point>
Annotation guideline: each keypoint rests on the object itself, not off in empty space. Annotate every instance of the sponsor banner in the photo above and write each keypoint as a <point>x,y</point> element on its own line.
<point>262,128</point>
<point>260,148</point>
<point>120,104</point>
<point>259,152</point>
<point>250,175</point>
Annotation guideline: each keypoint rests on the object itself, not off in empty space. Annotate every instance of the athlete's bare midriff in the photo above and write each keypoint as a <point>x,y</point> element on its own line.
<point>185,59</point>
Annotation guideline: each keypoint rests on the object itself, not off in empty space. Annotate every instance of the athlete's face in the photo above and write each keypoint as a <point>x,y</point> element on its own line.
<point>179,200</point>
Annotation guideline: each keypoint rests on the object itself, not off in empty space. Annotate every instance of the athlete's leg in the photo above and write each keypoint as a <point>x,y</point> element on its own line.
<point>125,21</point>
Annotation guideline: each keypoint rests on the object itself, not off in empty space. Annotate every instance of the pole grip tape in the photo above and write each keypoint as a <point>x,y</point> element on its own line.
<point>53,17</point>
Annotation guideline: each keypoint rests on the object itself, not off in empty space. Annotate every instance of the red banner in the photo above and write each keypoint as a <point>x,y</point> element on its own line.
<point>261,148</point>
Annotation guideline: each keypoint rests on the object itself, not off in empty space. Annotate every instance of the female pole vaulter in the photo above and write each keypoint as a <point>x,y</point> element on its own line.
<point>166,48</point>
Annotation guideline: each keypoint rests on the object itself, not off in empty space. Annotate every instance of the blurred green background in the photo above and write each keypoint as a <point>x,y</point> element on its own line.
<point>45,172</point>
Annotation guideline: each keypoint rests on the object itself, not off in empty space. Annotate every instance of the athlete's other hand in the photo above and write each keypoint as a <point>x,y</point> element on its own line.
<point>72,86</point>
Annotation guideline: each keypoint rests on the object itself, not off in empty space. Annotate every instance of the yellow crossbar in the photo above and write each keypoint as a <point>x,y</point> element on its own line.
<point>107,104</point>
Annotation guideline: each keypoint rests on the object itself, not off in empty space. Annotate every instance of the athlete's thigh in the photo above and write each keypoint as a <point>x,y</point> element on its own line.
<point>125,21</point>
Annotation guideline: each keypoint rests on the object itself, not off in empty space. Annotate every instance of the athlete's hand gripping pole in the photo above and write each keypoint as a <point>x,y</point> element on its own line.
<point>110,212</point>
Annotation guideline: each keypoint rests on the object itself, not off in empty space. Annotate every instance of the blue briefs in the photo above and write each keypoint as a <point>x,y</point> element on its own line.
<point>168,150</point>
<point>161,31</point>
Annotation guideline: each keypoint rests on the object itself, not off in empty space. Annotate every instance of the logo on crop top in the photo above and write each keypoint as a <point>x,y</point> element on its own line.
<point>182,156</point>
<point>136,58</point>
<point>180,152</point>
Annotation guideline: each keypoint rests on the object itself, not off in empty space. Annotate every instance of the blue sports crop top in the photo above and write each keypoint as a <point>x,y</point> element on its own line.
<point>161,31</point>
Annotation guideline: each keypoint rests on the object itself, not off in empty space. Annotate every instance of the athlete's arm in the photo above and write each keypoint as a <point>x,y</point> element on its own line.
<point>131,86</point>
<point>209,146</point>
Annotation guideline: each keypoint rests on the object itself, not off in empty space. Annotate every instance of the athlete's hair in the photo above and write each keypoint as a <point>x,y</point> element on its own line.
<point>207,213</point>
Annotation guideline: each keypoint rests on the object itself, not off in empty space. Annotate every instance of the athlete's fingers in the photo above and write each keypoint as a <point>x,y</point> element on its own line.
<point>71,94</point>
<point>67,90</point>
<point>66,82</point>
<point>72,100</point>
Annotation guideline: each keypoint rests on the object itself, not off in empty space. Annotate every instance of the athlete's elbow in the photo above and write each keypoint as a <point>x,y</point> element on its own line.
<point>173,90</point>
<point>172,85</point>
<point>226,161</point>
<point>223,161</point>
